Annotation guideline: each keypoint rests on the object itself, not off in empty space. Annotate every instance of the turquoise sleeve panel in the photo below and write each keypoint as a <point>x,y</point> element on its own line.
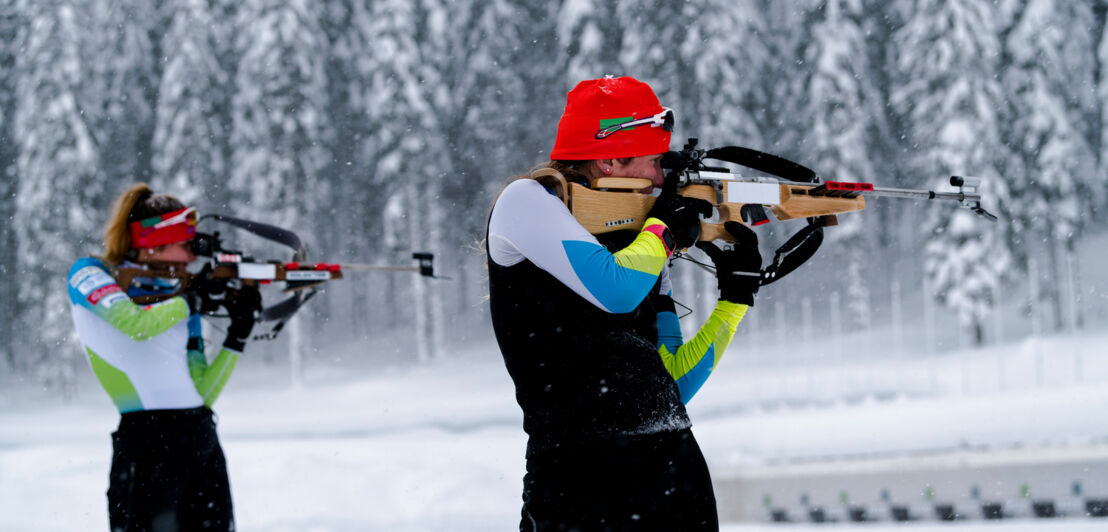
<point>669,325</point>
<point>528,223</point>
<point>198,363</point>
<point>669,331</point>
<point>691,363</point>
<point>619,280</point>
<point>196,330</point>
<point>92,286</point>
<point>217,375</point>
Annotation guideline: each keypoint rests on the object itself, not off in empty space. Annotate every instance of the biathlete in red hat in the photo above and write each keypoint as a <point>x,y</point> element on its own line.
<point>168,471</point>
<point>589,334</point>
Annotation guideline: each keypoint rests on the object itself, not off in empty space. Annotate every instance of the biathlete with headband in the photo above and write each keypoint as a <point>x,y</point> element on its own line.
<point>588,330</point>
<point>168,470</point>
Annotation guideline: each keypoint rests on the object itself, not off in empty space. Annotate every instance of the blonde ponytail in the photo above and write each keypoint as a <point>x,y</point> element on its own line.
<point>137,203</point>
<point>117,234</point>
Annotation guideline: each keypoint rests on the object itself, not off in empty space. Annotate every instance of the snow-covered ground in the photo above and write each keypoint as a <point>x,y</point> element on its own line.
<point>439,446</point>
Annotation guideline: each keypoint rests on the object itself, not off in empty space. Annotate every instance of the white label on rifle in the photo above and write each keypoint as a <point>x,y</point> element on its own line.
<point>307,275</point>
<point>257,271</point>
<point>760,193</point>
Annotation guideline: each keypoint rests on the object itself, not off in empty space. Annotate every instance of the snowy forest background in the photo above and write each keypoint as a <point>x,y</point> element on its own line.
<point>378,128</point>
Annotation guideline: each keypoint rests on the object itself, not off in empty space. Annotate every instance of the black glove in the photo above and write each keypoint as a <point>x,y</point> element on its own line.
<point>680,214</point>
<point>204,293</point>
<point>242,304</point>
<point>732,265</point>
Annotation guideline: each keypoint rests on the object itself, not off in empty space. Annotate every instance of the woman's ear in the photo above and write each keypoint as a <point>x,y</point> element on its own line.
<point>605,166</point>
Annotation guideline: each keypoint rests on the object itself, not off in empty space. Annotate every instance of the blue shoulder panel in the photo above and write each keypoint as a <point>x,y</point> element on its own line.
<point>86,276</point>
<point>619,289</point>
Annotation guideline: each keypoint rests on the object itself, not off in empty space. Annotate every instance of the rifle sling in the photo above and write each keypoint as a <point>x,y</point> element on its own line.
<point>269,232</point>
<point>763,162</point>
<point>794,252</point>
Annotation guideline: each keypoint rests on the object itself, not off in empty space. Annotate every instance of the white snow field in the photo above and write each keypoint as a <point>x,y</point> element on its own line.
<point>439,446</point>
<point>794,426</point>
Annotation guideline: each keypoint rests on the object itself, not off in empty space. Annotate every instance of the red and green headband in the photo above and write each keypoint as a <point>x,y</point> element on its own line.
<point>171,227</point>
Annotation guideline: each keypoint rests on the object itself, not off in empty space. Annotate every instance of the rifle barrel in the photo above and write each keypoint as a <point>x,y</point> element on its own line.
<point>921,194</point>
<point>877,191</point>
<point>375,268</point>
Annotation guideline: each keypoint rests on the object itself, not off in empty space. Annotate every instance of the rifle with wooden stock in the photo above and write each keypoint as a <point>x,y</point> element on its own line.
<point>789,191</point>
<point>301,279</point>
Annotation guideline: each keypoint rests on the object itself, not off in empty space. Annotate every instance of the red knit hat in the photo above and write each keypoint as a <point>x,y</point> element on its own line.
<point>589,128</point>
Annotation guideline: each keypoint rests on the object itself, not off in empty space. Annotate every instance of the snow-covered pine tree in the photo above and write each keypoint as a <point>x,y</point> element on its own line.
<point>121,64</point>
<point>224,27</point>
<point>11,25</point>
<point>442,30</point>
<point>190,137</point>
<point>652,46</point>
<point>776,104</point>
<point>717,106</point>
<point>58,215</point>
<point>358,200</point>
<point>506,77</point>
<point>395,98</point>
<point>1052,61</point>
<point>1100,141</point>
<point>726,47</point>
<point>894,223</point>
<point>279,137</point>
<point>591,35</point>
<point>779,111</point>
<point>844,106</point>
<point>948,89</point>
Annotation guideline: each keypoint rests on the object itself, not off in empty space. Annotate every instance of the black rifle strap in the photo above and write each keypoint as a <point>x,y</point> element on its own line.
<point>269,232</point>
<point>798,249</point>
<point>282,311</point>
<point>763,162</point>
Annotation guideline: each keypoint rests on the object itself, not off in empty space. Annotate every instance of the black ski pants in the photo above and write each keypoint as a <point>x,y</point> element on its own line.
<point>168,473</point>
<point>649,483</point>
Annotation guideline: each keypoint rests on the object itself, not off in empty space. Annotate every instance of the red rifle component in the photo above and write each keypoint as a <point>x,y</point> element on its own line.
<point>846,185</point>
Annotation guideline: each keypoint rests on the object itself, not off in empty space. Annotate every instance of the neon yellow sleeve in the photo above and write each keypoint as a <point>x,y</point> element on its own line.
<point>691,363</point>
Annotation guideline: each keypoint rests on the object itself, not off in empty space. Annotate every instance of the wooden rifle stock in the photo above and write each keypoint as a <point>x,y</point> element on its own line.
<point>251,273</point>
<point>614,204</point>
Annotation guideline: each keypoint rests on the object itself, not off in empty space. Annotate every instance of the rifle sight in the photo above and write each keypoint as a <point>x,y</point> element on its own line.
<point>206,245</point>
<point>210,245</point>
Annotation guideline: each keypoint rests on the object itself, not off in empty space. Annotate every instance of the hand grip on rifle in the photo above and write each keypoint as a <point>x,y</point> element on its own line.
<point>738,270</point>
<point>243,304</point>
<point>204,292</point>
<point>680,213</point>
